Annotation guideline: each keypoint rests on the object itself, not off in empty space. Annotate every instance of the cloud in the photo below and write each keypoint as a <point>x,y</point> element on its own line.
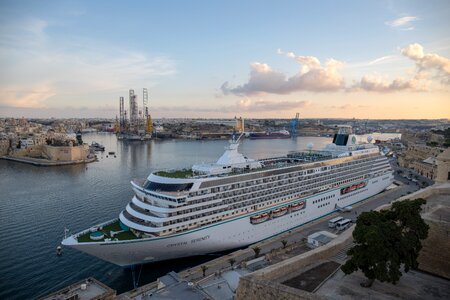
<point>38,70</point>
<point>243,105</point>
<point>381,60</point>
<point>23,97</point>
<point>372,83</point>
<point>403,23</point>
<point>313,77</point>
<point>349,106</point>
<point>431,62</point>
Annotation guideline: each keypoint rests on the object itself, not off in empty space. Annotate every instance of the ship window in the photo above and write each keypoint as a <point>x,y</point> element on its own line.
<point>167,187</point>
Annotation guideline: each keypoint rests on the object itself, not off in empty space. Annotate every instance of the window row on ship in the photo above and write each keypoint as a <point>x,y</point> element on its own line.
<point>284,195</point>
<point>242,210</point>
<point>261,186</point>
<point>198,197</point>
<point>268,191</point>
<point>309,184</point>
<point>206,218</point>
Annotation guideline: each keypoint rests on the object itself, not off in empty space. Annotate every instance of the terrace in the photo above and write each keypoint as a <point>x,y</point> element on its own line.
<point>292,159</point>
<point>183,173</point>
<point>111,231</point>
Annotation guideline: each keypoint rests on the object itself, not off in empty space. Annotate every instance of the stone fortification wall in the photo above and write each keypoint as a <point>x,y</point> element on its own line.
<point>65,153</point>
<point>434,256</point>
<point>262,284</point>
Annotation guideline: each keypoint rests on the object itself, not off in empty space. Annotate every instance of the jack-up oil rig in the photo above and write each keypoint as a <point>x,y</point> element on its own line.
<point>138,126</point>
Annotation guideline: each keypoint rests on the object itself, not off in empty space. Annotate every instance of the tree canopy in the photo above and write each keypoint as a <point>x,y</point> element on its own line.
<point>386,240</point>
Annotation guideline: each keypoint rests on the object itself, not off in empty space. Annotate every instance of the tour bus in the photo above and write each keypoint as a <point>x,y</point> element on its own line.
<point>344,224</point>
<point>332,223</point>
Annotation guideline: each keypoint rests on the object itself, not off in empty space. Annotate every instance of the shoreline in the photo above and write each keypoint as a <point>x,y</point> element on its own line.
<point>47,163</point>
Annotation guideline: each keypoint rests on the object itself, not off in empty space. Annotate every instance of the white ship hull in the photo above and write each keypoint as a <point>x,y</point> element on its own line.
<point>226,235</point>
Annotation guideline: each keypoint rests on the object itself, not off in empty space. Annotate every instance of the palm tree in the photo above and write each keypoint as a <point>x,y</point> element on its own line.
<point>257,250</point>
<point>204,268</point>
<point>231,261</point>
<point>284,242</point>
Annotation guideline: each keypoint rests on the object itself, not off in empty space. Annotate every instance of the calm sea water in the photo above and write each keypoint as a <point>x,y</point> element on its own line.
<point>37,203</point>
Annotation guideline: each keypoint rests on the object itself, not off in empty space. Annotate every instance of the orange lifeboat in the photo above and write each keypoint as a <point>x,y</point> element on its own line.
<point>298,206</point>
<point>279,212</point>
<point>259,218</point>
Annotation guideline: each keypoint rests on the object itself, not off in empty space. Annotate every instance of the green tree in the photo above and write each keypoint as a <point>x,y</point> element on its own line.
<point>386,240</point>
<point>204,268</point>
<point>284,242</point>
<point>257,250</point>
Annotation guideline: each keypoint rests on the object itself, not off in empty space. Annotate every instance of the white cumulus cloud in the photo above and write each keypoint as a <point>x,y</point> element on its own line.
<point>313,76</point>
<point>430,62</point>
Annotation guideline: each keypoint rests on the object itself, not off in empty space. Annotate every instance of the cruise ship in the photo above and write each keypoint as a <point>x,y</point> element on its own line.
<point>235,202</point>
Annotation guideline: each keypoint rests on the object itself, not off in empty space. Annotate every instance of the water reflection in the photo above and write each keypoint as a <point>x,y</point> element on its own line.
<point>37,203</point>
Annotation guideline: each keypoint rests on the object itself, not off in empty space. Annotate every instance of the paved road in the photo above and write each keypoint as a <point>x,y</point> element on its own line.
<point>410,173</point>
<point>297,235</point>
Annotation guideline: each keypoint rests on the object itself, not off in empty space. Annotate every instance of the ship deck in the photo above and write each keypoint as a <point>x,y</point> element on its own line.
<point>121,234</point>
<point>292,159</point>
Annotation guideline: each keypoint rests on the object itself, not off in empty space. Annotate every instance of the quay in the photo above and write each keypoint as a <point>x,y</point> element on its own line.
<point>48,163</point>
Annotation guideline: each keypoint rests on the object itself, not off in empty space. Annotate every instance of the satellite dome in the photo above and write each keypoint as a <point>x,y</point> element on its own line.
<point>310,146</point>
<point>370,139</point>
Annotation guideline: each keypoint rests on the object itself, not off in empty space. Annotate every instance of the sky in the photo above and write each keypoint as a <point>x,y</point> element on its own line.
<point>220,59</point>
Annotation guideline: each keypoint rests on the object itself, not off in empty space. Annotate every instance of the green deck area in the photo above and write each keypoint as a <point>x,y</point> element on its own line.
<point>106,230</point>
<point>184,173</point>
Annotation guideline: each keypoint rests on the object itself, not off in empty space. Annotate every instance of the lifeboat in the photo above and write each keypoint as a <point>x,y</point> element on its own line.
<point>259,218</point>
<point>298,206</point>
<point>353,187</point>
<point>279,212</point>
<point>361,185</point>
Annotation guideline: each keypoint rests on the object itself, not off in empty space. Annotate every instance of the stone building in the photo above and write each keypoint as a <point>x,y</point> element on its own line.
<point>443,166</point>
<point>421,159</point>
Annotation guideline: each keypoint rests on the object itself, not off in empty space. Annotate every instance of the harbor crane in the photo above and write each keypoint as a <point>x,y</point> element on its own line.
<point>294,124</point>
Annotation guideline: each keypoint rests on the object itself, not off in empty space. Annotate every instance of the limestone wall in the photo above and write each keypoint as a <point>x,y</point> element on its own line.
<point>262,284</point>
<point>434,256</point>
<point>252,288</point>
<point>65,153</point>
<point>292,265</point>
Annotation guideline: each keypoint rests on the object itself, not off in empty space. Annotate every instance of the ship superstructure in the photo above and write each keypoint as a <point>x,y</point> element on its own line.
<point>235,202</point>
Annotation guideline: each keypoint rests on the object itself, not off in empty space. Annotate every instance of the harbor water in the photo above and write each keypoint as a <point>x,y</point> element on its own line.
<point>38,203</point>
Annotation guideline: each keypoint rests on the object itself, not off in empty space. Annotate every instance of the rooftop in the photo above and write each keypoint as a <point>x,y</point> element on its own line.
<point>86,289</point>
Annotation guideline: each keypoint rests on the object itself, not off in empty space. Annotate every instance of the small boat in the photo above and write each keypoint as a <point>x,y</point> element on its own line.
<point>279,212</point>
<point>97,147</point>
<point>259,218</point>
<point>298,206</point>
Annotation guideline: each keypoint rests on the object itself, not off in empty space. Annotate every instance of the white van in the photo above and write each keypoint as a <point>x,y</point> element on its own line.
<point>344,224</point>
<point>332,223</point>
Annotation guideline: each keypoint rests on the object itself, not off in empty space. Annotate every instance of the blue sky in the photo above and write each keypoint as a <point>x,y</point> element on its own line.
<point>364,59</point>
